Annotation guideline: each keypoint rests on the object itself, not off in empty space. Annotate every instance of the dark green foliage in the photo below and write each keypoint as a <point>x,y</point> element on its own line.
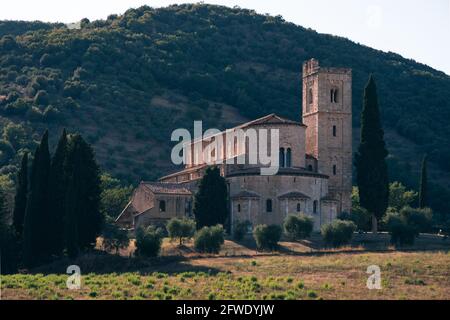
<point>267,236</point>
<point>419,218</point>
<point>210,206</point>
<point>36,234</point>
<point>83,196</point>
<point>3,210</point>
<point>71,220</point>
<point>298,226</point>
<point>58,190</point>
<point>20,199</point>
<point>114,237</point>
<point>338,232</point>
<point>209,239</point>
<point>399,197</point>
<point>405,226</point>
<point>148,242</point>
<point>114,196</point>
<point>181,229</point>
<point>9,249</point>
<point>240,229</point>
<point>401,232</point>
<point>370,160</point>
<point>360,217</point>
<point>423,194</point>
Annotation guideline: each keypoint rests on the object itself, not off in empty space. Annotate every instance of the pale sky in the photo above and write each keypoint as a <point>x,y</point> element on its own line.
<point>416,29</point>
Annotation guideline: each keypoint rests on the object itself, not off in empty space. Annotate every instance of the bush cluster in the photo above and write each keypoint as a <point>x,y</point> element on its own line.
<point>298,226</point>
<point>209,239</point>
<point>338,232</point>
<point>405,225</point>
<point>240,229</point>
<point>267,236</point>
<point>148,241</point>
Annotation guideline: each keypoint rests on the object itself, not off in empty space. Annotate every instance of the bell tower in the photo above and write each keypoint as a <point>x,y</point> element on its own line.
<point>327,113</point>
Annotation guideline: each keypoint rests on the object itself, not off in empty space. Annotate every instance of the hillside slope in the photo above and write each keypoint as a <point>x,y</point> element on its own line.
<point>126,82</point>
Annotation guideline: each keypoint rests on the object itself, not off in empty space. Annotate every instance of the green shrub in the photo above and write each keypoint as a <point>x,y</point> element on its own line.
<point>209,239</point>
<point>338,233</point>
<point>419,219</point>
<point>267,236</point>
<point>148,241</point>
<point>240,229</point>
<point>360,216</point>
<point>401,233</point>
<point>298,226</point>
<point>405,226</point>
<point>18,107</point>
<point>114,238</point>
<point>181,229</point>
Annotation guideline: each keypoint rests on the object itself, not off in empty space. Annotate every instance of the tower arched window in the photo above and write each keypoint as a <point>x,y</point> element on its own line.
<point>239,207</point>
<point>334,131</point>
<point>298,207</point>
<point>310,168</point>
<point>269,205</point>
<point>282,158</point>
<point>315,205</point>
<point>334,169</point>
<point>288,157</point>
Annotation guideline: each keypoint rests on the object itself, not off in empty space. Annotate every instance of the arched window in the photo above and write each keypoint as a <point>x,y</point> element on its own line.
<point>334,169</point>
<point>310,168</point>
<point>282,158</point>
<point>315,203</point>
<point>162,206</point>
<point>298,207</point>
<point>239,207</point>
<point>331,95</point>
<point>310,96</point>
<point>334,131</point>
<point>269,205</point>
<point>288,157</point>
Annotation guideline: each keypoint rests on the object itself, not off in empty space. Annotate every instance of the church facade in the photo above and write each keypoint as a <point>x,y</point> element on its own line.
<point>315,164</point>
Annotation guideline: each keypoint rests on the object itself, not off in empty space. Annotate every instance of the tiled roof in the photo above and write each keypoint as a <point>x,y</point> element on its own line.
<point>270,119</point>
<point>281,172</point>
<point>166,188</point>
<point>294,194</point>
<point>245,194</point>
<point>329,198</point>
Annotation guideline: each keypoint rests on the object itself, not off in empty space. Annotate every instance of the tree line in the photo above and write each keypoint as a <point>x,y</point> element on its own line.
<point>57,204</point>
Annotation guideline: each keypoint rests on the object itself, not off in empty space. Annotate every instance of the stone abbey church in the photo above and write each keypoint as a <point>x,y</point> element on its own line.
<point>315,169</point>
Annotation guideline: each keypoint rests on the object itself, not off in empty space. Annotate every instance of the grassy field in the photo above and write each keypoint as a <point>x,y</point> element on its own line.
<point>297,271</point>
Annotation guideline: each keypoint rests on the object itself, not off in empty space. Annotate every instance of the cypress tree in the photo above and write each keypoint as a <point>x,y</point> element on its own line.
<point>370,159</point>
<point>83,196</point>
<point>58,189</point>
<point>20,199</point>
<point>36,235</point>
<point>72,205</point>
<point>210,205</point>
<point>423,193</point>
